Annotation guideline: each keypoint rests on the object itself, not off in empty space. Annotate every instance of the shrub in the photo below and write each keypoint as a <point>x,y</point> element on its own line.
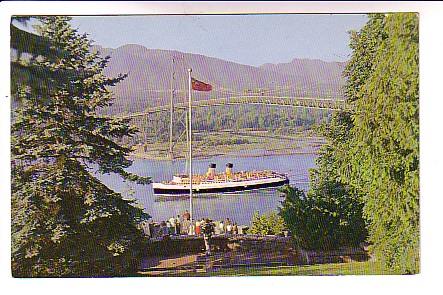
<point>267,224</point>
<point>323,222</point>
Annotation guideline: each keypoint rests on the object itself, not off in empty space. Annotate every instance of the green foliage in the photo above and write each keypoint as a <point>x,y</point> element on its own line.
<point>382,159</point>
<point>364,45</point>
<point>227,141</point>
<point>275,119</point>
<point>330,216</point>
<point>370,160</point>
<point>267,224</point>
<point>64,221</point>
<point>324,220</point>
<point>26,48</point>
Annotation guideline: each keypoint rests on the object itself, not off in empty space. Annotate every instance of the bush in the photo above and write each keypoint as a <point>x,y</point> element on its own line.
<point>267,224</point>
<point>323,222</point>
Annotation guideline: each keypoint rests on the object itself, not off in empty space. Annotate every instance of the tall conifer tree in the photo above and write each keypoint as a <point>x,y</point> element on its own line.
<point>64,221</point>
<point>382,158</point>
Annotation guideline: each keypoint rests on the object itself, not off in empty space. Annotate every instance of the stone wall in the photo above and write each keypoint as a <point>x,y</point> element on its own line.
<point>195,244</point>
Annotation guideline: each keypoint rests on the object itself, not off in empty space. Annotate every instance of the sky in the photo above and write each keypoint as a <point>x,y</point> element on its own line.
<point>246,39</point>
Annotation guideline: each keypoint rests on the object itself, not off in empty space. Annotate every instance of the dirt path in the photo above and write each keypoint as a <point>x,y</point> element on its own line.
<point>200,264</point>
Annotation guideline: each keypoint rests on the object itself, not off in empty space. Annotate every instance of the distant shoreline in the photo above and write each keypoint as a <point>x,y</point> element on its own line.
<point>236,155</point>
<point>238,144</point>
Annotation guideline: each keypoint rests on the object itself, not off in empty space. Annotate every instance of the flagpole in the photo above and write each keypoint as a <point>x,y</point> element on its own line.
<point>190,143</point>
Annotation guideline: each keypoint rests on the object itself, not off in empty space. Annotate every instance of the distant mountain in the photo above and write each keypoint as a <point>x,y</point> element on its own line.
<point>150,71</point>
<point>311,72</point>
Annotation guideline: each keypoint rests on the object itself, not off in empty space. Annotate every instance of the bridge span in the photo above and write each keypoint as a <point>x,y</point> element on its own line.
<point>285,101</point>
<point>281,101</point>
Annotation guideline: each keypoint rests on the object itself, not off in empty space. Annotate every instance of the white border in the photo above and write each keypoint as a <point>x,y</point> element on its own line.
<point>431,68</point>
<point>207,7</point>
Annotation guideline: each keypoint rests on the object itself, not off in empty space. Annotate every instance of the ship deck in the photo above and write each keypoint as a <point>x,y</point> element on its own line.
<point>224,178</point>
<point>253,181</point>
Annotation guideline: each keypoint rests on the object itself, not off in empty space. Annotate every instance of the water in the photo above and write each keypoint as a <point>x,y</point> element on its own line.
<point>239,207</point>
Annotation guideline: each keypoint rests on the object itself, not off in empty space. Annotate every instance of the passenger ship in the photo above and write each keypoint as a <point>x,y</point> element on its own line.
<point>213,182</point>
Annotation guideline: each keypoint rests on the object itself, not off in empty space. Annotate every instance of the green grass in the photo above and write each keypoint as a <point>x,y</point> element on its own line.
<point>352,268</point>
<point>330,269</point>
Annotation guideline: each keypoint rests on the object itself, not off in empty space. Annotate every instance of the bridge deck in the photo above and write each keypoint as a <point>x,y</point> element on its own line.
<point>306,102</point>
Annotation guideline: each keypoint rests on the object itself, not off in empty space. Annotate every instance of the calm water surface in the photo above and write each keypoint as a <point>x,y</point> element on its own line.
<point>239,207</point>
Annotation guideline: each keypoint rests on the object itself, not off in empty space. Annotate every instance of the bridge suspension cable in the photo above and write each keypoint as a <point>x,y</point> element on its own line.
<point>284,101</point>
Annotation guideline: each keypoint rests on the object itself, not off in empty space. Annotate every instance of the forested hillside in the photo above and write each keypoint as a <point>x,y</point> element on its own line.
<point>277,120</point>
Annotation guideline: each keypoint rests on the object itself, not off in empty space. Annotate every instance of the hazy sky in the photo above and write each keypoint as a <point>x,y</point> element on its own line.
<point>246,39</point>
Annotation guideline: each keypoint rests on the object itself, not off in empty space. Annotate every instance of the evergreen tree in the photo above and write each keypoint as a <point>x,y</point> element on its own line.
<point>330,215</point>
<point>364,44</point>
<point>370,159</point>
<point>64,221</point>
<point>26,47</point>
<point>383,154</point>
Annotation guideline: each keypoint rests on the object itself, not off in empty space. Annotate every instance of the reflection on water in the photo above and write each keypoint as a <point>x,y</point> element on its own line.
<point>239,206</point>
<point>166,198</point>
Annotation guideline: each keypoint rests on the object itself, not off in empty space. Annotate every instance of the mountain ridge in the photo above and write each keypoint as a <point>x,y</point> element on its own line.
<point>149,80</point>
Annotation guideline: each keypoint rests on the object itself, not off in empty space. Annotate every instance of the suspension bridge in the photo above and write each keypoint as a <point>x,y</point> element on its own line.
<point>284,101</point>
<point>225,97</point>
<point>268,100</point>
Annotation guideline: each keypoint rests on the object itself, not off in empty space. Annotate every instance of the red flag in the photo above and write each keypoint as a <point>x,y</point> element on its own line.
<point>200,86</point>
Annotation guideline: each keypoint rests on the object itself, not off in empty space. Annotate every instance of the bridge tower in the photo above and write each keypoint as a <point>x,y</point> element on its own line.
<point>177,65</point>
<point>171,110</point>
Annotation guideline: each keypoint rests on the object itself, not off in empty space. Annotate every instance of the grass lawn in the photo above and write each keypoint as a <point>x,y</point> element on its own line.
<point>330,269</point>
<point>352,268</point>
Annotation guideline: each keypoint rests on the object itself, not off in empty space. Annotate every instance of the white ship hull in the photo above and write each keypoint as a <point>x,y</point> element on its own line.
<point>212,187</point>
